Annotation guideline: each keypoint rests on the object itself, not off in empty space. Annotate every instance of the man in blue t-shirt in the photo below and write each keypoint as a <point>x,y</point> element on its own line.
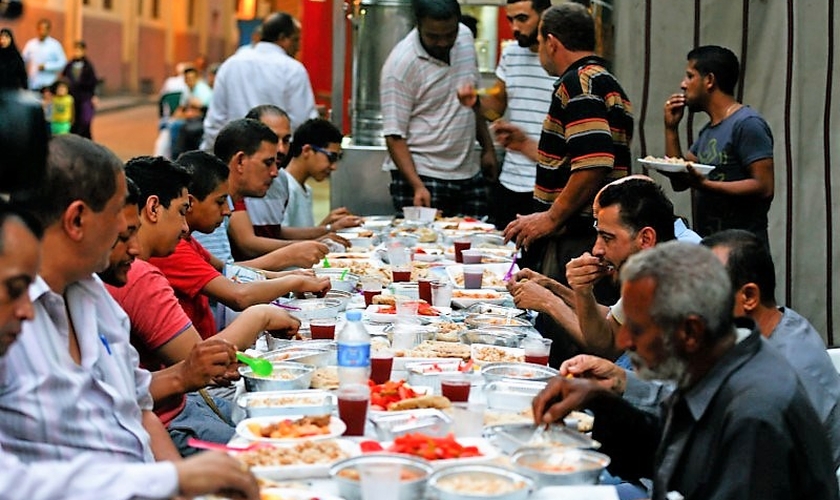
<point>737,141</point>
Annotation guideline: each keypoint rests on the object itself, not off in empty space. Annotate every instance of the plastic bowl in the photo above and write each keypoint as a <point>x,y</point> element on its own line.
<point>551,466</point>
<point>348,284</point>
<point>517,371</point>
<point>351,489</point>
<point>313,308</point>
<point>285,377</point>
<point>479,482</point>
<point>490,336</point>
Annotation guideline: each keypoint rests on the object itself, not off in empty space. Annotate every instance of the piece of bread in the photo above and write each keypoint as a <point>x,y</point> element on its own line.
<point>420,402</point>
<point>325,377</point>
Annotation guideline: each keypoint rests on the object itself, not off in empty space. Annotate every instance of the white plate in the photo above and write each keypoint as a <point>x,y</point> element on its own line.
<point>401,363</point>
<point>475,349</point>
<point>294,494</point>
<point>456,274</point>
<point>374,315</point>
<point>336,428</point>
<point>485,447</point>
<point>663,166</point>
<point>302,471</point>
<point>470,297</point>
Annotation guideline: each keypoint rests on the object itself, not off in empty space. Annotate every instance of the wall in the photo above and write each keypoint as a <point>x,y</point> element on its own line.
<point>104,42</point>
<point>151,66</point>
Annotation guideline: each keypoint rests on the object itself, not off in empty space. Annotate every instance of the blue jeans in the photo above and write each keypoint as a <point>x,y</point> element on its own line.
<point>200,421</point>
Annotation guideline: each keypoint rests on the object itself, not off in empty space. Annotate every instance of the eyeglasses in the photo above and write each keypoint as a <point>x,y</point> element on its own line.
<point>332,156</point>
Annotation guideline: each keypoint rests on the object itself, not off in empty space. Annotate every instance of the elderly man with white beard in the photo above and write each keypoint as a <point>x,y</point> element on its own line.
<point>739,424</point>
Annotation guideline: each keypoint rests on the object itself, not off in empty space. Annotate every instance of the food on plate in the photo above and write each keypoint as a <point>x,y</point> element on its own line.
<point>585,421</point>
<point>306,452</point>
<point>280,374</point>
<point>435,349</point>
<point>387,300</point>
<point>290,429</point>
<point>432,448</point>
<point>274,401</point>
<point>421,402</point>
<point>383,395</point>
<point>667,159</point>
<point>476,294</point>
<point>362,268</point>
<point>476,483</point>
<point>489,279</point>
<point>423,309</point>
<point>500,417</point>
<point>406,474</point>
<point>325,377</point>
<point>490,354</point>
<point>426,235</point>
<point>448,332</point>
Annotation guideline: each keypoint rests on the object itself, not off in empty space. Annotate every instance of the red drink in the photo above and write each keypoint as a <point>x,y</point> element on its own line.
<point>380,369</point>
<point>459,247</point>
<point>369,294</point>
<point>456,390</point>
<point>322,331</point>
<point>401,275</point>
<point>352,409</point>
<point>537,359</point>
<point>424,289</point>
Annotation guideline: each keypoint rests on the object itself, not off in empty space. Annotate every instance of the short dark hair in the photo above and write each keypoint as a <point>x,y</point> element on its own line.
<point>258,112</point>
<point>207,171</point>
<point>537,5</point>
<point>315,132</point>
<point>9,211</point>
<point>77,169</point>
<point>134,194</point>
<point>244,135</point>
<point>277,26</point>
<point>642,203</point>
<point>190,70</point>
<point>570,23</point>
<point>438,10</point>
<point>749,261</point>
<point>718,61</point>
<point>157,176</point>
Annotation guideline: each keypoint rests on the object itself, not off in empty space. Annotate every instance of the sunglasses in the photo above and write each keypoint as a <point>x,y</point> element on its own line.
<point>332,156</point>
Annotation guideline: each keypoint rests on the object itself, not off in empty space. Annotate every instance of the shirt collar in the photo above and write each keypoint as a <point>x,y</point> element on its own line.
<point>420,52</point>
<point>39,287</point>
<point>269,47</point>
<point>699,397</point>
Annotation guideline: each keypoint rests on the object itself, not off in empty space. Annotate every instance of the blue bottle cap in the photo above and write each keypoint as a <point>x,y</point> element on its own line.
<point>354,315</point>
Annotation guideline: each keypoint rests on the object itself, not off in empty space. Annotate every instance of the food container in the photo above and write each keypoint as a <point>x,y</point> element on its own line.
<point>413,489</point>
<point>517,371</point>
<point>389,425</point>
<point>550,466</point>
<point>419,214</point>
<point>274,403</point>
<point>472,482</point>
<point>490,336</point>
<point>285,377</point>
<point>348,284</point>
<point>511,395</point>
<point>306,309</point>
<point>511,437</point>
<point>495,321</point>
<point>427,373</point>
<point>484,308</point>
<point>487,239</point>
<point>318,354</point>
<point>341,295</point>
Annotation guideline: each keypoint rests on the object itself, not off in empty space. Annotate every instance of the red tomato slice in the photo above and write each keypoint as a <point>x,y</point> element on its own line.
<point>370,446</point>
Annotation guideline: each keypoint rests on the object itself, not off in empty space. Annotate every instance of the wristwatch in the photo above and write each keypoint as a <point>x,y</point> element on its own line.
<point>328,227</point>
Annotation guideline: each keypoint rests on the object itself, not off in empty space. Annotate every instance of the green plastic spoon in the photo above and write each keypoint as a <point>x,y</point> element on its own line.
<point>261,367</point>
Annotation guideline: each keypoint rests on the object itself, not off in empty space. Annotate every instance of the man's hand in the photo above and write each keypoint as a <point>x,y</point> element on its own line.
<point>281,324</point>
<point>336,238</point>
<point>604,372</point>
<point>207,363</point>
<point>213,472</point>
<point>466,95</point>
<point>583,272</point>
<point>346,221</point>
<point>673,110</point>
<point>530,275</point>
<point>531,295</point>
<point>318,285</point>
<point>307,253</point>
<point>422,197</point>
<point>562,395</point>
<point>490,165</point>
<point>510,136</point>
<point>526,229</point>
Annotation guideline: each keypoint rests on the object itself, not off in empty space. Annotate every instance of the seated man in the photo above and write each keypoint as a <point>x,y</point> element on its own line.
<point>71,388</point>
<point>729,433</point>
<point>195,275</point>
<point>167,338</point>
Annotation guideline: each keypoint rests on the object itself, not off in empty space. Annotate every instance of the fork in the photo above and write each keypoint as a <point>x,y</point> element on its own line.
<point>509,274</point>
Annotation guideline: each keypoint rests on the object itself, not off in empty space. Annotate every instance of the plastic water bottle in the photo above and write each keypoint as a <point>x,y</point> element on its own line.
<point>353,351</point>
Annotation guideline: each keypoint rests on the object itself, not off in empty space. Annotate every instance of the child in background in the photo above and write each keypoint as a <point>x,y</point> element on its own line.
<point>62,108</point>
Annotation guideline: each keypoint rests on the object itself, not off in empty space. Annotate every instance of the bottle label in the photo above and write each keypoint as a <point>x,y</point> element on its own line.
<point>356,356</point>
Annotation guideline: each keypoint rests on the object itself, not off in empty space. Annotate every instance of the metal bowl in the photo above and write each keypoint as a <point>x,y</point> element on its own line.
<point>270,404</point>
<point>341,295</point>
<point>550,466</point>
<point>351,489</point>
<point>511,395</point>
<point>499,483</point>
<point>490,336</point>
<point>517,371</point>
<point>512,437</point>
<point>348,284</point>
<point>318,354</point>
<point>307,309</point>
<point>300,376</point>
<point>495,321</point>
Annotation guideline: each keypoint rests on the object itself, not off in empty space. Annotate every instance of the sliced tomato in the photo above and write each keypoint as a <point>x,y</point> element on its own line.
<point>370,446</point>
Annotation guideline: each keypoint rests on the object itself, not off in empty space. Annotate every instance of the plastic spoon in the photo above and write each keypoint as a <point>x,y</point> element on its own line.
<point>509,274</point>
<point>209,445</point>
<point>343,274</point>
<point>261,367</point>
<point>326,262</point>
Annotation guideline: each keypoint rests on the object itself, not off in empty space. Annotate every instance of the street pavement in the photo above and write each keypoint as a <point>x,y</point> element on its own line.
<point>127,127</point>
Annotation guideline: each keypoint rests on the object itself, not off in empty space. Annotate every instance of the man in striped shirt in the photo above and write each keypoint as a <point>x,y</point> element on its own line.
<point>430,136</point>
<point>523,90</point>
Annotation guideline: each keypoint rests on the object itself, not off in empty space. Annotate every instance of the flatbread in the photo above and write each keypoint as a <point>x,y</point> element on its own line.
<point>325,377</point>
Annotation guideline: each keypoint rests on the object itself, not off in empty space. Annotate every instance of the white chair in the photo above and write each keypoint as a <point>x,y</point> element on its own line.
<point>834,354</point>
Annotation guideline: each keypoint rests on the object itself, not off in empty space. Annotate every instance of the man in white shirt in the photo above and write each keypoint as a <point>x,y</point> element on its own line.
<point>266,74</point>
<point>44,57</point>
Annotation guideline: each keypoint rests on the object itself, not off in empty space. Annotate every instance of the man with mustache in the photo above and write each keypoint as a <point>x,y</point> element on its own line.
<point>523,89</point>
<point>738,425</point>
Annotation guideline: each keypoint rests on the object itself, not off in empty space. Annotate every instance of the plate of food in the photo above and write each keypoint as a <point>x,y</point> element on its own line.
<point>492,275</point>
<point>443,451</point>
<point>290,429</point>
<point>668,164</point>
<point>485,353</point>
<point>464,298</point>
<point>397,395</point>
<point>383,313</point>
<point>297,461</point>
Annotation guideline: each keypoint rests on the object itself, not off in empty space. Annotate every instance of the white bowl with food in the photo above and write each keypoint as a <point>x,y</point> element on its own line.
<point>471,482</point>
<point>290,428</point>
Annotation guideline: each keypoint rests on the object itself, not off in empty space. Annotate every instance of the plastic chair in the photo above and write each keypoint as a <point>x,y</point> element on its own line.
<point>168,103</point>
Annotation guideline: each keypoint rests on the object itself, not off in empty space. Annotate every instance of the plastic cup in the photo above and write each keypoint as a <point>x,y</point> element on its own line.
<point>407,307</point>
<point>353,403</point>
<point>401,273</point>
<point>460,246</point>
<point>455,387</point>
<point>399,255</point>
<point>379,481</point>
<point>473,277</point>
<point>441,294</point>
<point>537,351</point>
<point>404,336</point>
<point>322,328</point>
<point>471,256</point>
<point>371,288</point>
<point>381,363</point>
<point>424,289</point>
<point>468,419</point>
